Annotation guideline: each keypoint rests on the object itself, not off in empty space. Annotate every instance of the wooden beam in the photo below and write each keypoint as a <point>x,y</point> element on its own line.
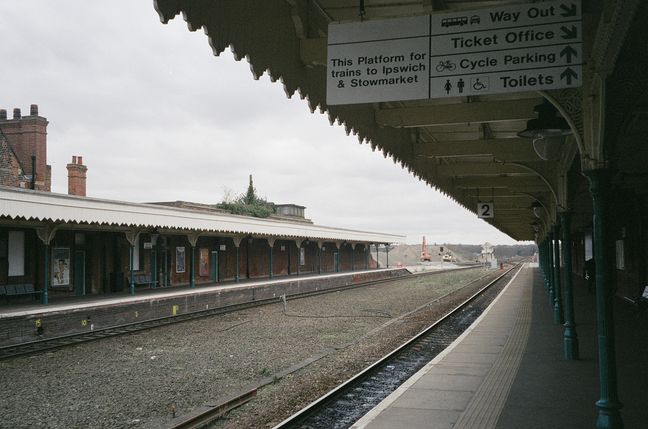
<point>512,150</point>
<point>313,51</point>
<point>481,169</point>
<point>526,184</point>
<point>499,193</point>
<point>461,113</point>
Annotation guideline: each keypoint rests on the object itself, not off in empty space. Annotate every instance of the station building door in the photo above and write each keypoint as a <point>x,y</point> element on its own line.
<point>164,267</point>
<point>79,272</point>
<point>214,265</point>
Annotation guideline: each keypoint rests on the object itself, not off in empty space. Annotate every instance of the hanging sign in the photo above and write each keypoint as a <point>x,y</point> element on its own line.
<point>485,210</point>
<point>514,48</point>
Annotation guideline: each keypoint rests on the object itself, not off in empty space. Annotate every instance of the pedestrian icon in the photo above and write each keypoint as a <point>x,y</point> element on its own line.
<point>448,86</point>
<point>460,85</point>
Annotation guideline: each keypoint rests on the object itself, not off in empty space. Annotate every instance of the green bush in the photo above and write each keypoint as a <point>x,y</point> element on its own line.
<point>248,204</point>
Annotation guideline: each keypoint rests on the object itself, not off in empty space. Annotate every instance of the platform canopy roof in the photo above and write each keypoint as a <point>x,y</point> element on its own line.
<point>37,209</point>
<point>466,147</point>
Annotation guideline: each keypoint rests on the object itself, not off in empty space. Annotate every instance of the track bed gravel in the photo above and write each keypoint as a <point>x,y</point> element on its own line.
<point>138,380</point>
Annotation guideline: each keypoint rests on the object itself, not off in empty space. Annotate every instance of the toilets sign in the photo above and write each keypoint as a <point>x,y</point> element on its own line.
<point>512,48</point>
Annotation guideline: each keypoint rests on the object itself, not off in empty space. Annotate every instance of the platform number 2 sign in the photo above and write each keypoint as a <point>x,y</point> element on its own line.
<point>485,210</point>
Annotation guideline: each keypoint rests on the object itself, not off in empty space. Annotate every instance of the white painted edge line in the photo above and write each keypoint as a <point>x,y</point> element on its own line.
<point>178,293</point>
<point>385,403</point>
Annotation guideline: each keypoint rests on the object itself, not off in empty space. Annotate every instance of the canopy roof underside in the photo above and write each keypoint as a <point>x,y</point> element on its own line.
<point>465,147</point>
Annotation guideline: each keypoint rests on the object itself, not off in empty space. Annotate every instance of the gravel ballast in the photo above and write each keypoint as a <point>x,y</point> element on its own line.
<point>140,380</point>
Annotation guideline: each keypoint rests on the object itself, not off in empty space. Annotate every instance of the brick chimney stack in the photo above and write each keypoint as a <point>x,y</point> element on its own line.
<point>77,177</point>
<point>27,136</point>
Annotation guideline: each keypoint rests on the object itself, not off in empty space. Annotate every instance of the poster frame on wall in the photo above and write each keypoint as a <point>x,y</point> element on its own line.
<point>203,265</point>
<point>180,259</point>
<point>60,267</point>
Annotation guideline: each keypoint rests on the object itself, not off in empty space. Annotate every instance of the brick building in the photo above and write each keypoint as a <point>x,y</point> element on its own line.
<point>23,150</point>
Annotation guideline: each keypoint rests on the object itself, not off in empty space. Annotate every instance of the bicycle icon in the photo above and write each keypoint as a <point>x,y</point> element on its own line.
<point>446,65</point>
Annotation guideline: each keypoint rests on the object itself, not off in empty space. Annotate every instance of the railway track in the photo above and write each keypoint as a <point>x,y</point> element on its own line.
<point>48,344</point>
<point>344,405</point>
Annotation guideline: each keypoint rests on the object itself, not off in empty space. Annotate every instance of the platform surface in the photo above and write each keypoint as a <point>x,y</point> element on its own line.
<point>508,370</point>
<point>148,294</point>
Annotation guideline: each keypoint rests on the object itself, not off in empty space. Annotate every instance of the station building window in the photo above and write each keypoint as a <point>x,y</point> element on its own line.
<point>136,254</point>
<point>16,253</point>
<point>620,256</point>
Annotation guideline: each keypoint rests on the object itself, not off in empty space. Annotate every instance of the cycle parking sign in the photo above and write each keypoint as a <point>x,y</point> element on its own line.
<point>515,48</point>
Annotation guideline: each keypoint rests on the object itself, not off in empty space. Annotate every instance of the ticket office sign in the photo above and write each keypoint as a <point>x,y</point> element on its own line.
<point>506,49</point>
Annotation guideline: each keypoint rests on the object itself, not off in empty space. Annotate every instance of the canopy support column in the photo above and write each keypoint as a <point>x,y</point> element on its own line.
<point>609,415</point>
<point>387,254</point>
<point>570,337</point>
<point>271,242</point>
<point>237,245</point>
<point>131,237</point>
<point>46,235</point>
<point>557,303</point>
<point>193,240</point>
<point>550,268</point>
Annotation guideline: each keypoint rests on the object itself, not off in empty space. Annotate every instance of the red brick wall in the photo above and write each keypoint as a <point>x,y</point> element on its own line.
<point>10,171</point>
<point>28,136</point>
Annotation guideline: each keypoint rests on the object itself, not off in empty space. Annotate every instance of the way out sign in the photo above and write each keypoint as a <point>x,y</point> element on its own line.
<point>485,210</point>
<point>512,48</point>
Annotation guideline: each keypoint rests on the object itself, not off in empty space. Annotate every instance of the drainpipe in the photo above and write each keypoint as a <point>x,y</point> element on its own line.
<point>33,175</point>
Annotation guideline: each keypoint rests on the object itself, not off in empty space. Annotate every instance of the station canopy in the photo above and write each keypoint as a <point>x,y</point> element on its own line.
<point>445,87</point>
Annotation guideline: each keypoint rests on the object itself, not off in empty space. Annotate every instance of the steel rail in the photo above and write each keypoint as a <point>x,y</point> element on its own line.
<point>310,409</point>
<point>52,343</point>
<point>204,415</point>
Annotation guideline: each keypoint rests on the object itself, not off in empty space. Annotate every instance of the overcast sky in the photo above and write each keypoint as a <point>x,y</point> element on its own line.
<point>158,118</point>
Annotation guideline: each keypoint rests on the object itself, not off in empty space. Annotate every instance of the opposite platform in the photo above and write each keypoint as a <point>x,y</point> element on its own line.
<point>75,316</point>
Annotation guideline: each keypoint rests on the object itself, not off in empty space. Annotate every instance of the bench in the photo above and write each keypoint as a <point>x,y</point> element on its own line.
<point>141,279</point>
<point>19,290</point>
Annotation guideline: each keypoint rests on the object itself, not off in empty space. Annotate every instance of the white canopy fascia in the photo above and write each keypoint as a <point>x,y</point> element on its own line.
<point>59,208</point>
